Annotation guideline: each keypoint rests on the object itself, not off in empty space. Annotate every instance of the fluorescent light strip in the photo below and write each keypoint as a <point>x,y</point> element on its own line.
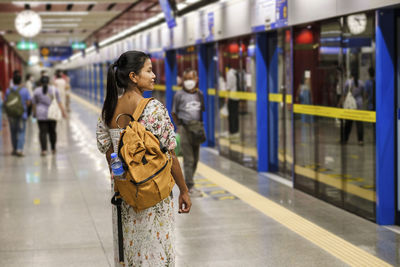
<point>65,25</point>
<point>190,2</point>
<point>181,6</point>
<point>75,56</point>
<point>36,3</point>
<point>90,49</point>
<point>132,29</point>
<point>62,20</point>
<point>139,26</point>
<point>62,13</point>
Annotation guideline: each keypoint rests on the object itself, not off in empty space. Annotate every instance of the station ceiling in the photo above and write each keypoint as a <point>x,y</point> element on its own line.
<point>66,21</point>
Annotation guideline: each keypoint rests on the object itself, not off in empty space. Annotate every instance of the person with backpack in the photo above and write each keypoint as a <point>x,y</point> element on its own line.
<point>187,108</point>
<point>142,236</point>
<point>16,103</point>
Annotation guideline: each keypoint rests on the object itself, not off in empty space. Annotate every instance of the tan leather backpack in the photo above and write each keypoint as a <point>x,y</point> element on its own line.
<point>146,164</point>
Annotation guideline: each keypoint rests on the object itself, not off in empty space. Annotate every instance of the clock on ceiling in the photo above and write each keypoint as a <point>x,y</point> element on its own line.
<point>28,23</point>
<point>357,23</point>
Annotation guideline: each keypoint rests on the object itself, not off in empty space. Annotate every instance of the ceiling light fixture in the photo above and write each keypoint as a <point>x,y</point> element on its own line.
<point>64,25</point>
<point>111,6</point>
<point>62,13</point>
<point>36,3</point>
<point>132,29</point>
<point>190,2</point>
<point>181,6</point>
<point>63,20</point>
<point>75,56</point>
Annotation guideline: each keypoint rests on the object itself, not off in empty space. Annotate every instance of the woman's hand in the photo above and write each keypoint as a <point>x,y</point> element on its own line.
<point>184,202</point>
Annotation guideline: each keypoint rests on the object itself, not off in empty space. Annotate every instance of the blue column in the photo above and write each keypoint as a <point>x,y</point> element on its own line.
<point>95,84</point>
<point>89,81</point>
<point>171,72</point>
<point>101,73</point>
<point>385,117</point>
<point>262,102</point>
<point>202,68</point>
<point>211,81</point>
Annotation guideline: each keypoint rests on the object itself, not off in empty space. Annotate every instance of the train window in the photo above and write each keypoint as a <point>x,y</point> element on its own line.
<point>236,125</point>
<point>335,157</point>
<point>157,60</point>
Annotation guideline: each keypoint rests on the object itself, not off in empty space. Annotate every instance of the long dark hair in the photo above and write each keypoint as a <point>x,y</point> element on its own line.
<point>118,77</point>
<point>44,81</point>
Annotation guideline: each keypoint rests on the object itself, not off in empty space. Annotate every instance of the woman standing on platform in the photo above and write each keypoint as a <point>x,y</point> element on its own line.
<point>148,235</point>
<point>61,86</point>
<point>42,97</point>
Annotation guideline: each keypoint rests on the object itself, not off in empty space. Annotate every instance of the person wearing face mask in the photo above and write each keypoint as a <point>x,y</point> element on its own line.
<point>187,108</point>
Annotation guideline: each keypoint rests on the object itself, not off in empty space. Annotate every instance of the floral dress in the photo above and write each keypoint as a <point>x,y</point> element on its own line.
<point>149,234</point>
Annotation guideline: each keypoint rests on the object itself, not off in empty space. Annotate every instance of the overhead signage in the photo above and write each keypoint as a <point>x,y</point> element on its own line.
<point>269,14</point>
<point>55,53</point>
<point>78,46</point>
<point>210,36</point>
<point>168,13</point>
<point>27,45</point>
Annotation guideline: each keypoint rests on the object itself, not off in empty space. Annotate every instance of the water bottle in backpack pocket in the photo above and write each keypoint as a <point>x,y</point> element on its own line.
<point>117,168</point>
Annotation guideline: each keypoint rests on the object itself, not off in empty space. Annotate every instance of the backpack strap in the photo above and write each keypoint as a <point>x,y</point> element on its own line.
<point>139,109</point>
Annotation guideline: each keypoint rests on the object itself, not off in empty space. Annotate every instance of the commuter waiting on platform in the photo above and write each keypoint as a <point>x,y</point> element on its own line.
<point>67,90</point>
<point>187,109</point>
<point>357,91</point>
<point>42,98</point>
<point>61,85</point>
<point>148,235</point>
<point>16,102</point>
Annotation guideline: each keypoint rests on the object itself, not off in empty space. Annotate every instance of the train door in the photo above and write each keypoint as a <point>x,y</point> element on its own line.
<point>282,97</point>
<point>235,116</point>
<point>334,148</point>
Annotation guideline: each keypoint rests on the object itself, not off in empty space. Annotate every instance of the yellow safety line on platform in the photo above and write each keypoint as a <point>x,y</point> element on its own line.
<point>324,239</point>
<point>341,113</point>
